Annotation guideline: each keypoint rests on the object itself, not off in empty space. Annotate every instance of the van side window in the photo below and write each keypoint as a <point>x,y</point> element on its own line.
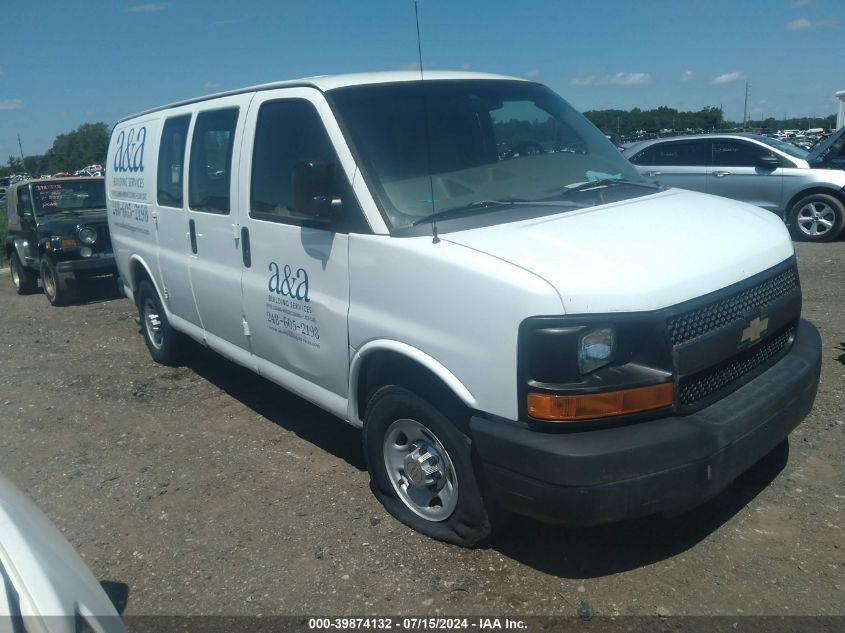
<point>171,161</point>
<point>289,132</point>
<point>210,170</point>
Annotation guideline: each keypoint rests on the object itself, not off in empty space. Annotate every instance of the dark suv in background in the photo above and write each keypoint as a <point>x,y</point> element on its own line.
<point>57,233</point>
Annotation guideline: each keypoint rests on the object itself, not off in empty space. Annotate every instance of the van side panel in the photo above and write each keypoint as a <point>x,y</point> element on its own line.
<point>130,194</point>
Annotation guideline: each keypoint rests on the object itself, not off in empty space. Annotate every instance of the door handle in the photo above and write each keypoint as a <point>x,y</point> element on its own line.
<point>653,173</point>
<point>192,230</point>
<point>721,174</point>
<point>245,251</point>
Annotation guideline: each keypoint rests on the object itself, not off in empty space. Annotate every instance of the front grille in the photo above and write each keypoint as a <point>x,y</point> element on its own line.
<point>701,321</point>
<point>700,386</point>
<point>103,243</point>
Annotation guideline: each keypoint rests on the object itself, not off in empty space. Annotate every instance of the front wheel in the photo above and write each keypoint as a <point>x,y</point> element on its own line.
<point>421,469</point>
<point>58,287</point>
<point>817,218</point>
<point>23,278</point>
<point>166,345</point>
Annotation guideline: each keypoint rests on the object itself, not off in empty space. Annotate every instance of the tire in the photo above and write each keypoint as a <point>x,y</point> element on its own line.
<point>24,280</point>
<point>407,440</point>
<point>166,345</point>
<point>58,287</point>
<point>817,218</point>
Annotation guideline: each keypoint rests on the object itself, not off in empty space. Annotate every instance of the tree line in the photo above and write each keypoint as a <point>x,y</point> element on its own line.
<point>628,122</point>
<point>86,145</point>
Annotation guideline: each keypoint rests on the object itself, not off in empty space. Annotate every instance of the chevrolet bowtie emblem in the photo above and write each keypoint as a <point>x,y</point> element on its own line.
<point>754,330</point>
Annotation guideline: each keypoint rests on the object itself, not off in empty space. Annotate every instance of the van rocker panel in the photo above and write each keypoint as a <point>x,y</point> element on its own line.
<point>661,466</point>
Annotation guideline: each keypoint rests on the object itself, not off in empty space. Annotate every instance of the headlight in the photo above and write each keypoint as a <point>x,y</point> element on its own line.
<point>86,251</point>
<point>87,235</point>
<point>596,349</point>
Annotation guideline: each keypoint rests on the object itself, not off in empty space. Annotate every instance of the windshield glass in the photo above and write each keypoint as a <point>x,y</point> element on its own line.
<point>68,195</point>
<point>487,142</point>
<point>786,148</point>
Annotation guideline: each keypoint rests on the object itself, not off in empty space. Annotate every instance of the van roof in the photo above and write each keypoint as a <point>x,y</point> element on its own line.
<point>330,82</point>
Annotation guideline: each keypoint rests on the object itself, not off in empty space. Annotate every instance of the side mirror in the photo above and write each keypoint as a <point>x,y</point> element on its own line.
<point>312,185</point>
<point>767,161</point>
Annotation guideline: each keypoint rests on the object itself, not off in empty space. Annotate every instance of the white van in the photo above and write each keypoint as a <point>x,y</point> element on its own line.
<point>469,270</point>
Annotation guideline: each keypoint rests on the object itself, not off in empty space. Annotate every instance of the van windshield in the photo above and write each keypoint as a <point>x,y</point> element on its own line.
<point>68,195</point>
<point>486,142</point>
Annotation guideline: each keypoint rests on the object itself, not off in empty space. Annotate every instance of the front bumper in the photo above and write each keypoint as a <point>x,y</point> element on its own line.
<point>99,263</point>
<point>661,466</point>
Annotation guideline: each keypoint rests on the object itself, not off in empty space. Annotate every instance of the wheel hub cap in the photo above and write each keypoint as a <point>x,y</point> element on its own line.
<point>420,470</point>
<point>152,320</point>
<point>816,219</point>
<point>423,466</point>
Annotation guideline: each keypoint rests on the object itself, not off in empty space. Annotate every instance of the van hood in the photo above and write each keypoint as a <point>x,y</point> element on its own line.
<point>642,254</point>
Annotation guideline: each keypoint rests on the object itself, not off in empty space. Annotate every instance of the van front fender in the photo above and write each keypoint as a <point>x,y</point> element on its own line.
<point>409,354</point>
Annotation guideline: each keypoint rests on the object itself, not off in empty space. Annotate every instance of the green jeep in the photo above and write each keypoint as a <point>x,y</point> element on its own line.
<point>57,232</point>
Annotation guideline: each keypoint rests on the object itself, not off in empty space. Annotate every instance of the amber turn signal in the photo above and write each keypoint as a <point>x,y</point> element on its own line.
<point>68,243</point>
<point>546,406</point>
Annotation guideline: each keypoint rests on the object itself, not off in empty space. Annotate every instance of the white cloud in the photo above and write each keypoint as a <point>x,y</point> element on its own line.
<point>727,78</point>
<point>687,75</point>
<point>531,74</point>
<point>630,79</point>
<point>619,79</point>
<point>211,85</point>
<point>150,7</point>
<point>11,104</point>
<point>803,24</point>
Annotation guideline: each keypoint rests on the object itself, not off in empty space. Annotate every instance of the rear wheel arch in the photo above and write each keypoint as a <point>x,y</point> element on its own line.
<point>827,191</point>
<point>139,272</point>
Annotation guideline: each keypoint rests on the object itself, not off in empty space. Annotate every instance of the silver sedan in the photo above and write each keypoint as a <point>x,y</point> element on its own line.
<point>807,193</point>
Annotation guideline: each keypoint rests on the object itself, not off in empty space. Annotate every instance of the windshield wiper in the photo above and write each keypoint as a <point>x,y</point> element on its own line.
<point>605,182</point>
<point>479,206</point>
<point>472,207</point>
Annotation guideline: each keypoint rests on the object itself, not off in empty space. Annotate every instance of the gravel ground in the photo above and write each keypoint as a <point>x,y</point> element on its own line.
<point>207,490</point>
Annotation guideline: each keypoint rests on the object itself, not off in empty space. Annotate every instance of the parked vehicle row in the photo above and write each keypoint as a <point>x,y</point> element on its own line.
<point>514,326</point>
<point>806,189</point>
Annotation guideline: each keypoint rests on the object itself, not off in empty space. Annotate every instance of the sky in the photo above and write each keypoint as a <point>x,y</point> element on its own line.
<point>67,63</point>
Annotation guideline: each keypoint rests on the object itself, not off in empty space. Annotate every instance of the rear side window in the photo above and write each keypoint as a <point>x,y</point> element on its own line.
<point>737,154</point>
<point>211,161</point>
<point>288,132</point>
<point>674,154</point>
<point>171,161</point>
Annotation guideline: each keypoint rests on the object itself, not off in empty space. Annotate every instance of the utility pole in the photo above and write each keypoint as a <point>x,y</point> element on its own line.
<point>21,148</point>
<point>745,109</point>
